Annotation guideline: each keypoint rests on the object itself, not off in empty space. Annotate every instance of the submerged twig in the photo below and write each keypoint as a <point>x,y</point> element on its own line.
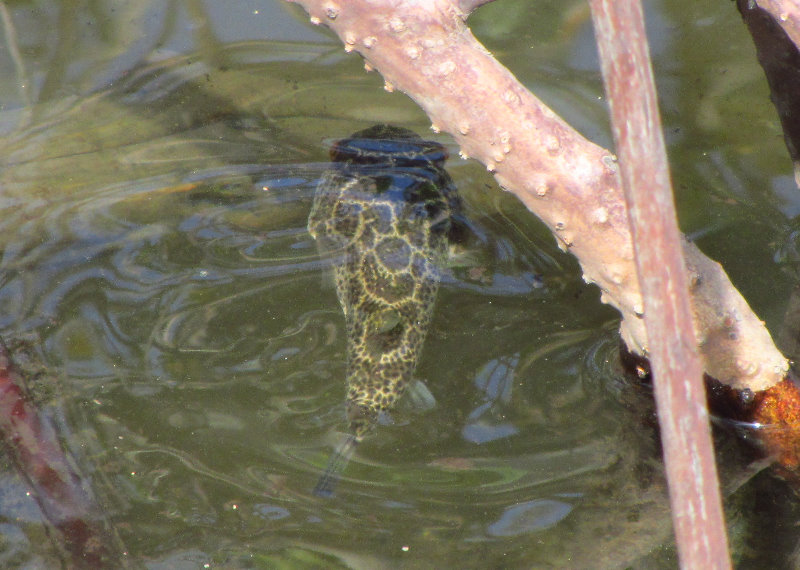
<point>67,504</point>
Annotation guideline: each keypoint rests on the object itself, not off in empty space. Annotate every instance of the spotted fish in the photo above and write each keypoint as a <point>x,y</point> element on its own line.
<point>383,213</point>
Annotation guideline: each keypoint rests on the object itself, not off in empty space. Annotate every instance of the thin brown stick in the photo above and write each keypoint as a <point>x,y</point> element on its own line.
<point>677,371</point>
<point>571,184</point>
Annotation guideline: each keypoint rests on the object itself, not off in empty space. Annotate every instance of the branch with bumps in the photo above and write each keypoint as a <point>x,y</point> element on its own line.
<point>570,183</point>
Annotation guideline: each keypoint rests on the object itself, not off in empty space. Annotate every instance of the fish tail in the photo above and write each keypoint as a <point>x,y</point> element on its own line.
<point>336,464</point>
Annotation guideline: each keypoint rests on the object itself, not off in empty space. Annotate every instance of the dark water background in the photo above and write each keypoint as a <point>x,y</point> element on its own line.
<point>157,164</point>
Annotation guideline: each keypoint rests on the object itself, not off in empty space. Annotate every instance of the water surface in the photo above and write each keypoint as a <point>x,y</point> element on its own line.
<point>158,164</point>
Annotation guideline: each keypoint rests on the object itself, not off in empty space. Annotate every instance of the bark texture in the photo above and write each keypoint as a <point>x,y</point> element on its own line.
<point>426,50</point>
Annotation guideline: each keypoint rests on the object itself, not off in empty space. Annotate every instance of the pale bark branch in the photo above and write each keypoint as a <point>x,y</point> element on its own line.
<point>571,184</point>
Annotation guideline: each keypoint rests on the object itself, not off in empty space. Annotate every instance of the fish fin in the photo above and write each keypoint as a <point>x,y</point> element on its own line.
<point>329,260</point>
<point>459,257</point>
<point>336,464</point>
<point>327,281</point>
<point>419,397</point>
<point>385,418</point>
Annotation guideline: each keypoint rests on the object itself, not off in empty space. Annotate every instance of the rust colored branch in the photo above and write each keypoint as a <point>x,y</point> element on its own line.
<point>571,184</point>
<point>677,371</point>
<point>777,410</point>
<point>65,504</point>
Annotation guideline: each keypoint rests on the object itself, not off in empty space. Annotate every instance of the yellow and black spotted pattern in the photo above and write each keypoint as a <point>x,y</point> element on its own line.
<point>383,215</point>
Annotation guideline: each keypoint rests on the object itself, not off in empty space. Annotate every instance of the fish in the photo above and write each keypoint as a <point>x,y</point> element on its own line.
<point>383,213</point>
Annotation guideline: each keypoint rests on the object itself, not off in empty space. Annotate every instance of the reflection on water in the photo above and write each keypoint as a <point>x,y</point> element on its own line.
<point>495,380</point>
<point>529,517</point>
<point>154,242</point>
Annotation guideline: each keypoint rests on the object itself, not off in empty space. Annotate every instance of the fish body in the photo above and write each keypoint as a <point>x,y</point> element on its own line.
<point>383,213</point>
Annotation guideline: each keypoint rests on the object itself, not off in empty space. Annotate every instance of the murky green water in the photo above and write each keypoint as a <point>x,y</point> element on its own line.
<point>158,164</point>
